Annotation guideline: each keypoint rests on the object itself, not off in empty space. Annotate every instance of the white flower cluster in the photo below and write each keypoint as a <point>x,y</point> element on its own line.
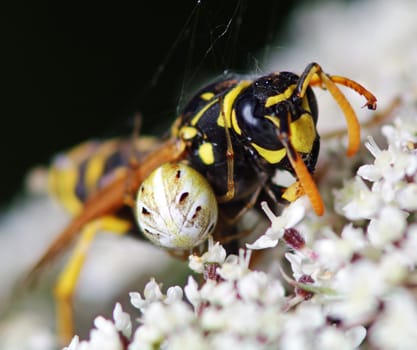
<point>346,290</point>
<point>108,335</point>
<point>240,308</point>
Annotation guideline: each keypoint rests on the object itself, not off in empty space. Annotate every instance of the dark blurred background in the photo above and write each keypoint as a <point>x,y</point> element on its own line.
<point>74,71</point>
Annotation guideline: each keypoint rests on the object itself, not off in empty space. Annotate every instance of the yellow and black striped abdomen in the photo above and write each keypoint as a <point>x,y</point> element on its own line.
<point>76,175</point>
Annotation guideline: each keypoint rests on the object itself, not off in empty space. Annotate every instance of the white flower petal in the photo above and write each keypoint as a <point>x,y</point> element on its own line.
<point>105,336</point>
<point>152,291</point>
<point>174,294</point>
<point>395,328</point>
<point>407,197</point>
<point>192,293</point>
<point>136,300</point>
<point>122,321</point>
<point>263,242</point>
<point>388,227</point>
<point>369,172</point>
<point>74,343</point>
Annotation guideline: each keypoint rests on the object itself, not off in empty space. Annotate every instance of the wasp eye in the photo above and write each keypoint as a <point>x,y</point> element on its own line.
<point>251,117</point>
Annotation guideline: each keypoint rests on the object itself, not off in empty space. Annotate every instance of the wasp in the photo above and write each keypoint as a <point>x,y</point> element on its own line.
<point>234,134</point>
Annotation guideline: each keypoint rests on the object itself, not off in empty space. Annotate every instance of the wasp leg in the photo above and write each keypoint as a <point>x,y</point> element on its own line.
<point>67,281</point>
<point>232,237</point>
<point>230,161</point>
<point>293,192</point>
<point>297,163</point>
<point>249,205</point>
<point>314,75</point>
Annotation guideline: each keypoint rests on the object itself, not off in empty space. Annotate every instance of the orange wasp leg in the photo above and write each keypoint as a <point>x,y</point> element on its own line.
<point>303,174</point>
<point>67,281</point>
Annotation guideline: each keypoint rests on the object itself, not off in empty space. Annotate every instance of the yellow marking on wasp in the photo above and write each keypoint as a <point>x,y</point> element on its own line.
<point>303,133</point>
<point>271,156</point>
<point>66,191</point>
<point>205,151</point>
<point>187,133</point>
<point>94,171</point>
<point>227,103</point>
<point>272,100</point>
<point>64,174</point>
<point>96,164</point>
<point>235,124</point>
<point>305,104</point>
<point>203,110</point>
<point>207,96</point>
<point>62,183</point>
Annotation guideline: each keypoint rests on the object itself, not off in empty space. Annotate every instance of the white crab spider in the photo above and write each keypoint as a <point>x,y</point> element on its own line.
<point>176,207</point>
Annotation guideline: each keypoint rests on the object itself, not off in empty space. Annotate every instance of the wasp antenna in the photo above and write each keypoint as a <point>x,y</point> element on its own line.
<point>314,75</point>
<point>354,128</point>
<point>351,84</point>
